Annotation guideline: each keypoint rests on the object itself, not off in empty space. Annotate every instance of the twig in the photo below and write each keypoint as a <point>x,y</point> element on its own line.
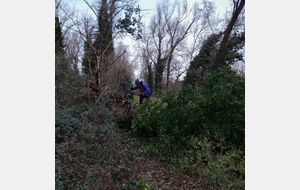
<point>91,8</point>
<point>114,60</point>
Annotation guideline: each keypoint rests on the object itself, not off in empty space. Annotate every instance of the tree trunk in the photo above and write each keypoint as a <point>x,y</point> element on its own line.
<point>97,73</point>
<point>222,50</point>
<point>159,69</point>
<point>168,69</point>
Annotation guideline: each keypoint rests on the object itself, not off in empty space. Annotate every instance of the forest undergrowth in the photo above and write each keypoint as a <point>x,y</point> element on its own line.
<point>199,132</point>
<point>194,140</point>
<point>99,155</point>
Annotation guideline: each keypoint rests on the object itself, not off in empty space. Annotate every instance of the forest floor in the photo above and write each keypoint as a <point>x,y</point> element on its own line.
<point>117,161</point>
<point>154,170</point>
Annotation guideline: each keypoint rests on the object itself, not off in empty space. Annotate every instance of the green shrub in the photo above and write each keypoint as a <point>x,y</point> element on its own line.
<point>215,113</point>
<point>136,184</point>
<point>221,170</point>
<point>223,105</point>
<point>69,88</point>
<point>58,176</point>
<point>81,133</point>
<point>216,109</point>
<point>65,123</point>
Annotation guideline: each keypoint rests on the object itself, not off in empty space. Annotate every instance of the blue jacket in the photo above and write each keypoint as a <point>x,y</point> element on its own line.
<point>144,89</point>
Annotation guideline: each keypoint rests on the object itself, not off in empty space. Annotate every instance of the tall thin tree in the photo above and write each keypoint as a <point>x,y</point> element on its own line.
<point>238,5</point>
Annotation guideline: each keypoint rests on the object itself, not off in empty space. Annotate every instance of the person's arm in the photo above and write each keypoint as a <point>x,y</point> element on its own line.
<point>134,88</point>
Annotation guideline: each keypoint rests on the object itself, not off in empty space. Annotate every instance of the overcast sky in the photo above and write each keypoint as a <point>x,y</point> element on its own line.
<point>148,9</point>
<point>148,6</point>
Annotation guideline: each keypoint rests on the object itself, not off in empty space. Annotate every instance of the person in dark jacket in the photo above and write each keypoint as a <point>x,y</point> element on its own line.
<point>144,89</point>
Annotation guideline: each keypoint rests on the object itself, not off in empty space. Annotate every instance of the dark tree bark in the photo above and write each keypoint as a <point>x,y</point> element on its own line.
<point>238,6</point>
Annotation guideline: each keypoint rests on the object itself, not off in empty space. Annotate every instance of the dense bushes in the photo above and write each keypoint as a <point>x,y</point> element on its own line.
<point>215,113</point>
<point>223,106</point>
<point>81,131</point>
<point>65,122</point>
<point>69,85</point>
<point>216,109</point>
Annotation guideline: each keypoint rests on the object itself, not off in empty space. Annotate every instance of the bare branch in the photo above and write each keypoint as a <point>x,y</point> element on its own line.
<point>103,68</point>
<point>91,8</point>
<point>110,42</point>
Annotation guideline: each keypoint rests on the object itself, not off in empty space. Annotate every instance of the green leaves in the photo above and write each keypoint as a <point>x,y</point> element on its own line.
<point>130,23</point>
<point>136,184</point>
<point>224,104</point>
<point>200,128</point>
<point>218,107</point>
<point>65,123</point>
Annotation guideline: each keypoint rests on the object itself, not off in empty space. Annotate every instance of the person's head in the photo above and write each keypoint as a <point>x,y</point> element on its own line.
<point>138,82</point>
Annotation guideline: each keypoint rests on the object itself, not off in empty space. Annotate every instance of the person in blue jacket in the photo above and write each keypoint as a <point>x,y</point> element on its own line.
<point>144,89</point>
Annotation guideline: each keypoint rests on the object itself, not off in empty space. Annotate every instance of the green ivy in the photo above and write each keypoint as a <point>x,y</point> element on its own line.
<point>65,123</point>
<point>136,184</point>
<point>218,108</point>
<point>174,126</point>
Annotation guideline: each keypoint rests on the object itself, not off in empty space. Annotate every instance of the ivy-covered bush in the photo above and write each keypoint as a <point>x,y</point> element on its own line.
<point>65,122</point>
<point>223,106</point>
<point>215,112</point>
<point>69,86</point>
<point>80,151</point>
<point>216,109</point>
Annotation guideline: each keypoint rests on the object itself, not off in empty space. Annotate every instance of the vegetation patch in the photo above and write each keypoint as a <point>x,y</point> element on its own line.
<point>200,131</point>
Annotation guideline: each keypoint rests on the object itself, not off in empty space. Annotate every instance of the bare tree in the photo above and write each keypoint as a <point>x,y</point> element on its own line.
<point>170,29</point>
<point>209,23</point>
<point>178,30</point>
<point>178,69</point>
<point>121,70</point>
<point>238,6</point>
<point>73,50</point>
<point>112,8</point>
<point>158,34</point>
